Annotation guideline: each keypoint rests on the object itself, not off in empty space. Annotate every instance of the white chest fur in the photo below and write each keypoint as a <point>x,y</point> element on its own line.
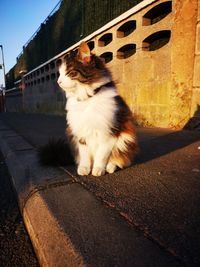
<point>92,116</point>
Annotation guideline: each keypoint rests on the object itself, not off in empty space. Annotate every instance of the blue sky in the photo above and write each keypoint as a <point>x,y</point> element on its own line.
<point>19,19</point>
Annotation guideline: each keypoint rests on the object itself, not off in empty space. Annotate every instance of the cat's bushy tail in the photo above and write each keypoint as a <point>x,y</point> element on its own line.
<point>55,153</point>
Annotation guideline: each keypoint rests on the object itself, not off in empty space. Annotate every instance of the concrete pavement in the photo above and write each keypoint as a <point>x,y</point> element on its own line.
<point>145,215</point>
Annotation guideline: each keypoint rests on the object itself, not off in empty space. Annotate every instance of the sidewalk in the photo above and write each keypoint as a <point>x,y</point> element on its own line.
<point>145,215</point>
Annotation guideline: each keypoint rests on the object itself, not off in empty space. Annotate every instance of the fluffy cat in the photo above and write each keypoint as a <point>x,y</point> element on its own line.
<point>100,126</point>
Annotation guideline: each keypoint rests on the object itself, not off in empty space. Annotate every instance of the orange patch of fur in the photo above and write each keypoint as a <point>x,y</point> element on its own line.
<point>124,157</point>
<point>129,128</point>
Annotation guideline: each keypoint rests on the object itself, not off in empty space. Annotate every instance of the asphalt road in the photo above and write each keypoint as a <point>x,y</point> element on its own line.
<point>159,195</point>
<point>15,246</point>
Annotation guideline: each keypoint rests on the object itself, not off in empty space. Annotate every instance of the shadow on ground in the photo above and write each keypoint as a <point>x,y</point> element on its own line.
<point>167,143</point>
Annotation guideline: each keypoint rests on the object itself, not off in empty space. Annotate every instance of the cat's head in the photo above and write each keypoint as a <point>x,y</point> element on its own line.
<point>81,70</point>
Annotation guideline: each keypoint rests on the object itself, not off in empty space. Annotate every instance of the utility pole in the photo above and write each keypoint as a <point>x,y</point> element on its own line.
<point>3,65</point>
<point>4,75</point>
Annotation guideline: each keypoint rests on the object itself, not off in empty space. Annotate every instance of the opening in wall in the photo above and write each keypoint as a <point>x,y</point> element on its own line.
<point>58,62</point>
<point>91,45</point>
<point>126,29</point>
<point>52,65</point>
<point>107,56</point>
<point>53,76</point>
<point>157,13</point>
<point>47,68</point>
<point>156,40</point>
<point>105,39</point>
<point>126,51</point>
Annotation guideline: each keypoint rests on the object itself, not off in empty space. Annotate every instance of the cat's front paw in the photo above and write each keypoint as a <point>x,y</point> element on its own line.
<point>110,168</point>
<point>98,171</point>
<point>83,170</point>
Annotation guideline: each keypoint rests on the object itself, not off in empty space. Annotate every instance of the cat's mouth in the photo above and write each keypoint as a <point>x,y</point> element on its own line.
<point>70,89</point>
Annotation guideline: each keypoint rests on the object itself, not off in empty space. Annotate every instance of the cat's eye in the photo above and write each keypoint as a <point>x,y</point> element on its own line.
<point>73,73</point>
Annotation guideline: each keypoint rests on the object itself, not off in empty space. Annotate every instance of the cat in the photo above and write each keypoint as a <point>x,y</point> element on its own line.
<point>100,126</point>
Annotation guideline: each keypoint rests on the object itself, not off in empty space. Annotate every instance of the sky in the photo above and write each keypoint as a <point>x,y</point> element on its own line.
<point>19,19</point>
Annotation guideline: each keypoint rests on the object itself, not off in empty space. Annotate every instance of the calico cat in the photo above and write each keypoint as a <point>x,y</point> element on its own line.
<point>100,126</point>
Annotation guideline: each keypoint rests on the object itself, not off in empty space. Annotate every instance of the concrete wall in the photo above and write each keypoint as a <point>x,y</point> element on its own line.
<point>195,103</point>
<point>14,101</point>
<point>153,51</point>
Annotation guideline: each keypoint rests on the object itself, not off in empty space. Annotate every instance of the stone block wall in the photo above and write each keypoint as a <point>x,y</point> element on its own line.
<point>194,122</point>
<point>153,51</point>
<point>141,66</point>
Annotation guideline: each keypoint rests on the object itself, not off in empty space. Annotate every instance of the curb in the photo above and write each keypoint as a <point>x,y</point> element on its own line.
<point>22,163</point>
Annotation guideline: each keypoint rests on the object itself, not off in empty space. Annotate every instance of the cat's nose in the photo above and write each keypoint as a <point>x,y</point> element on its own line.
<point>59,81</point>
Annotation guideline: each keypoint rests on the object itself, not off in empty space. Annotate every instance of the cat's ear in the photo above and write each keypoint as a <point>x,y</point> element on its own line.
<point>84,54</point>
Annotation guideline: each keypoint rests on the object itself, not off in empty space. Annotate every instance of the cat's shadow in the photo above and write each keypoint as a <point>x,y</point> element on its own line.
<point>155,142</point>
<point>155,147</point>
